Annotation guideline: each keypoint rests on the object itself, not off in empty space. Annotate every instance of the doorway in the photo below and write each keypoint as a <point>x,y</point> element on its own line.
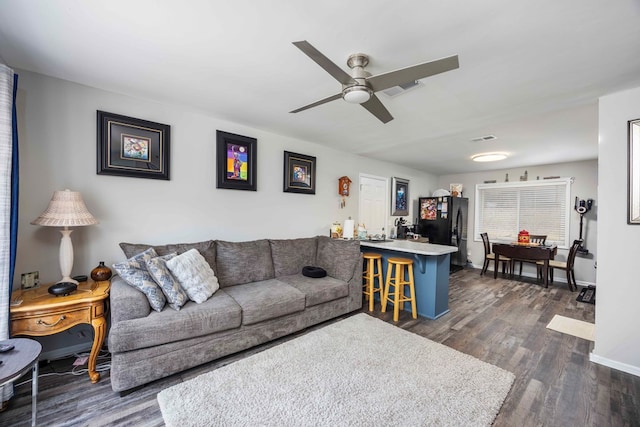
<point>373,203</point>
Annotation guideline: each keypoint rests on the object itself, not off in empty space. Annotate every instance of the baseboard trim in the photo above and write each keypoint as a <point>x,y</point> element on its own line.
<point>60,353</point>
<point>624,367</point>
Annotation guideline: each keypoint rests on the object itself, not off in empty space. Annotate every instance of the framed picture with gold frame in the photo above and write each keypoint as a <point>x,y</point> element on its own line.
<point>132,147</point>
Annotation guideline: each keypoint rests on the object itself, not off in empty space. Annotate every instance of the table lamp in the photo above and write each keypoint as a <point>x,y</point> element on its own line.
<point>66,209</point>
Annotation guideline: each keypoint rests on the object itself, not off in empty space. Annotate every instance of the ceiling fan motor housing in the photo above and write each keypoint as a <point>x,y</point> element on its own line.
<point>360,91</point>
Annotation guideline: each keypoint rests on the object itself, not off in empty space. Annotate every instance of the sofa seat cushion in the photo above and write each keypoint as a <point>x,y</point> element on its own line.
<point>218,313</point>
<point>317,290</point>
<point>266,300</point>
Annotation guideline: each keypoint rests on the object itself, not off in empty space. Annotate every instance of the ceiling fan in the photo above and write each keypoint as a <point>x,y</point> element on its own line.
<point>360,86</point>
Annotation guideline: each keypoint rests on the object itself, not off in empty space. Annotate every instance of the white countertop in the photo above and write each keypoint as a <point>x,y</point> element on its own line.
<point>409,246</point>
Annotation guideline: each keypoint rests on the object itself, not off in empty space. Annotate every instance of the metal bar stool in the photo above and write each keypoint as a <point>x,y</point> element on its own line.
<point>370,274</point>
<point>397,280</point>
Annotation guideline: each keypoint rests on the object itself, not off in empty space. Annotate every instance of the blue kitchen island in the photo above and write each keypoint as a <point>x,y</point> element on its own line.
<point>430,271</point>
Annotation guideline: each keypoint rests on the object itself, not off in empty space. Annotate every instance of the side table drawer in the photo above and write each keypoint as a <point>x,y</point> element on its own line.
<point>49,323</point>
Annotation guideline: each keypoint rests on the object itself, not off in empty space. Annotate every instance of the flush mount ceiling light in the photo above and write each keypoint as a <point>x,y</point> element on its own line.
<point>357,94</point>
<point>488,157</point>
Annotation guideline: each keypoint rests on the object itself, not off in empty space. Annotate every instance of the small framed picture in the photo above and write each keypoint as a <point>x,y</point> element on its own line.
<point>30,280</point>
<point>132,147</point>
<point>299,173</point>
<point>236,161</point>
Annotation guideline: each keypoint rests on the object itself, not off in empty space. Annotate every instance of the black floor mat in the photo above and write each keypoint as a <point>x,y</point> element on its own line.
<point>587,295</point>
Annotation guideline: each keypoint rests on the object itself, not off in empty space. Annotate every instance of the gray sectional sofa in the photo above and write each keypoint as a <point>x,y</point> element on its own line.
<point>262,296</point>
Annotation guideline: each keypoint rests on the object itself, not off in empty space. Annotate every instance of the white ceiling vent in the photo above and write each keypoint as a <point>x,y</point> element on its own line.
<point>484,138</point>
<point>394,91</point>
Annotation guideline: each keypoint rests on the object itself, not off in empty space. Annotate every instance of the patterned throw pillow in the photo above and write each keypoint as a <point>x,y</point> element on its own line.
<point>134,272</point>
<point>195,275</point>
<point>170,287</point>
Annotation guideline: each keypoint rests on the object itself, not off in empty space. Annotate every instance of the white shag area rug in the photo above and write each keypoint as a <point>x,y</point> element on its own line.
<point>359,371</point>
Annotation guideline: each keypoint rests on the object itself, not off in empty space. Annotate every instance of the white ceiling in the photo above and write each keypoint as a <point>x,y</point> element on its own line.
<point>530,71</point>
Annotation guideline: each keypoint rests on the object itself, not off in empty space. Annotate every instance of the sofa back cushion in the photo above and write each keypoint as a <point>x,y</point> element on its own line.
<point>243,262</point>
<point>291,255</point>
<point>338,257</point>
<point>207,249</point>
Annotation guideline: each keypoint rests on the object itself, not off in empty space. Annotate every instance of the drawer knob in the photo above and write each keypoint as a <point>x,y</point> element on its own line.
<point>42,322</point>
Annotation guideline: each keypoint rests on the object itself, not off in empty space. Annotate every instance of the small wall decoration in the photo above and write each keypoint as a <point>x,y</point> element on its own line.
<point>343,190</point>
<point>399,196</point>
<point>299,173</point>
<point>236,161</point>
<point>633,215</point>
<point>132,147</point>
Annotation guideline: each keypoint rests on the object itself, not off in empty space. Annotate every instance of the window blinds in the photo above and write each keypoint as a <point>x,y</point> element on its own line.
<point>540,207</point>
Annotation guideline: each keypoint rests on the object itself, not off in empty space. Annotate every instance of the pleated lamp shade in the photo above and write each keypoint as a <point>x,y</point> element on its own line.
<point>66,209</point>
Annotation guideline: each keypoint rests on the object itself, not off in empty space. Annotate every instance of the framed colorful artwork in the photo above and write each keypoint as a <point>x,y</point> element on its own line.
<point>299,173</point>
<point>132,147</point>
<point>399,196</point>
<point>236,161</point>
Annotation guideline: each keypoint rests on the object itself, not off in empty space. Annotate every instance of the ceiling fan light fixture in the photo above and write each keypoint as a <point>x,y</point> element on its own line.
<point>357,94</point>
<point>488,157</point>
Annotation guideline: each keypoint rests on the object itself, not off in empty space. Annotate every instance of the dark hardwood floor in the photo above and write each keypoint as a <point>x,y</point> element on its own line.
<point>501,321</point>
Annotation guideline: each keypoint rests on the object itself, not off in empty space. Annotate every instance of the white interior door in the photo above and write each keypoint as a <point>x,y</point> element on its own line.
<point>373,203</point>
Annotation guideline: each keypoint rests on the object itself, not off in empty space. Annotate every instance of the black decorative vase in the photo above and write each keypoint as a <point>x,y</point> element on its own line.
<point>101,272</point>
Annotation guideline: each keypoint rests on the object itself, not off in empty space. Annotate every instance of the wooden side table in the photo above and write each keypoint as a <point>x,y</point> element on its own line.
<point>41,313</point>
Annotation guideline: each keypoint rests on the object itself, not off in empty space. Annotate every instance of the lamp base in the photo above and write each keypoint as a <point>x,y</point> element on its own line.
<point>62,288</point>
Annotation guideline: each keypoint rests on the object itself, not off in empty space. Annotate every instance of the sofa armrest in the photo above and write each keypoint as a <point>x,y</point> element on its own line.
<point>355,286</point>
<point>126,301</point>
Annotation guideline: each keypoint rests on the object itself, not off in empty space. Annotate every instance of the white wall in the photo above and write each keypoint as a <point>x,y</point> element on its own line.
<point>617,314</point>
<point>585,186</point>
<point>57,134</point>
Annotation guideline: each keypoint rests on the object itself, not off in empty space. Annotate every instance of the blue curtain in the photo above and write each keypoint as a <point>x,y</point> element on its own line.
<point>14,187</point>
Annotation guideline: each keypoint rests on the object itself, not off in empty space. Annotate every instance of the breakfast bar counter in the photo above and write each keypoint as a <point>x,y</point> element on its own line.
<point>431,271</point>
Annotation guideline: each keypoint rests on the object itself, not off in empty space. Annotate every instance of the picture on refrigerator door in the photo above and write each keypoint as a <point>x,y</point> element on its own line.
<point>429,209</point>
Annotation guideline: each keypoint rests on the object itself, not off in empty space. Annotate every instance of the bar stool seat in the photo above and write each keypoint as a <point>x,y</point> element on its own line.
<point>373,271</point>
<point>397,281</point>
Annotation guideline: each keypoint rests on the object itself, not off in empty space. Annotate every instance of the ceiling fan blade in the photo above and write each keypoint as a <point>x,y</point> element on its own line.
<point>315,104</point>
<point>376,108</point>
<point>413,73</point>
<point>338,73</point>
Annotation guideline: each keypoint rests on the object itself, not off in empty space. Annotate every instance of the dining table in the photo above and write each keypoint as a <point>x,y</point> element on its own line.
<point>525,251</point>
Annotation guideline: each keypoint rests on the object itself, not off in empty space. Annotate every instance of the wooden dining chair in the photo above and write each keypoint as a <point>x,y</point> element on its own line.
<point>489,256</point>
<point>539,239</point>
<point>564,265</point>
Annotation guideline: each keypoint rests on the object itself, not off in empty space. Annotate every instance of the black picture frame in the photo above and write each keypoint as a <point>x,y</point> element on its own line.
<point>399,196</point>
<point>633,172</point>
<point>299,173</point>
<point>132,147</point>
<point>236,160</point>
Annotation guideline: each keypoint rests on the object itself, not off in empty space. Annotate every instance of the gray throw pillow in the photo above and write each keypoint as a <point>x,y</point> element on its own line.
<point>134,272</point>
<point>170,287</point>
<point>194,274</point>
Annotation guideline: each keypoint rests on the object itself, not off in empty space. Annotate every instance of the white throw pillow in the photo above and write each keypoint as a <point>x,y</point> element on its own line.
<point>194,274</point>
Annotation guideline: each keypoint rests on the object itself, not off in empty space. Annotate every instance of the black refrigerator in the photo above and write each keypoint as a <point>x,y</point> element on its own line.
<point>444,221</point>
